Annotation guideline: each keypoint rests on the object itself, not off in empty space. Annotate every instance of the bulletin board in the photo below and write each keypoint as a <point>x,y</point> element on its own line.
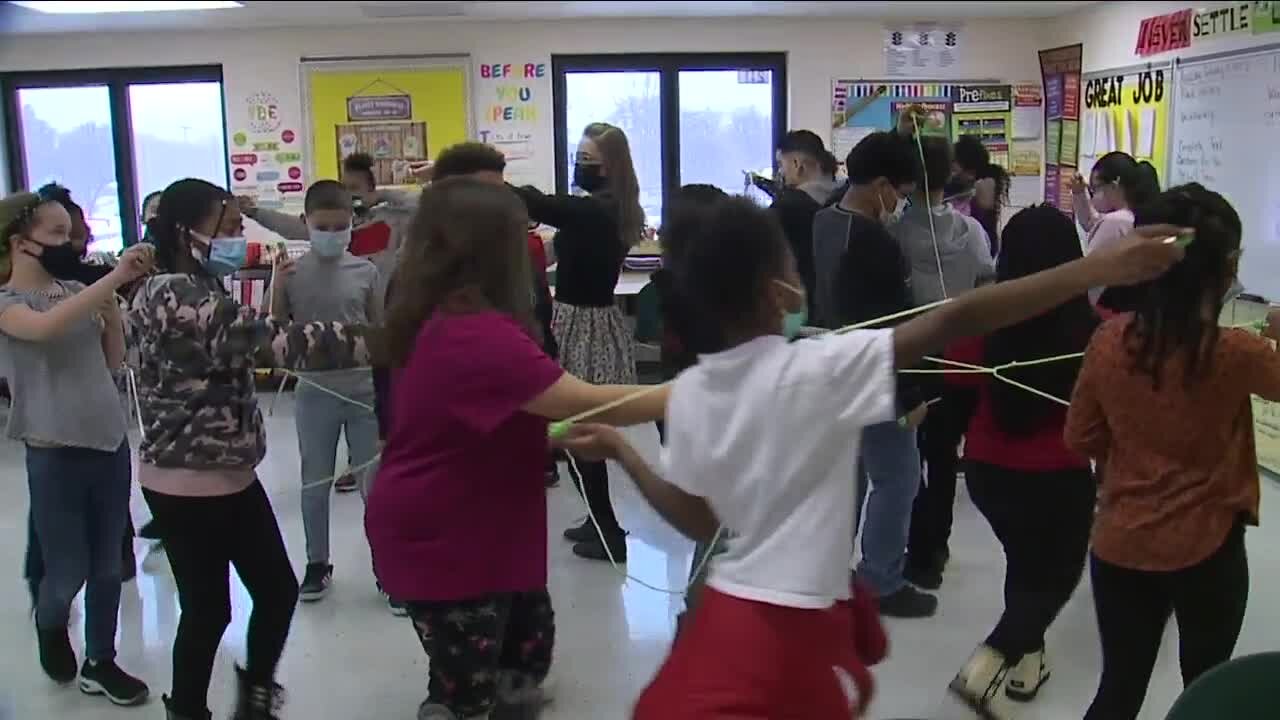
<point>861,107</point>
<point>1129,110</point>
<point>985,112</point>
<point>398,110</point>
<point>1060,75</point>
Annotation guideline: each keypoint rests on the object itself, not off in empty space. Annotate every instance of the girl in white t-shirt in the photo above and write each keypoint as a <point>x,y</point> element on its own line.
<point>775,632</point>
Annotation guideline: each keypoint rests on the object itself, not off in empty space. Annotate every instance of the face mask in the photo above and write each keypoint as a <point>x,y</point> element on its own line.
<point>60,261</point>
<point>330,243</point>
<point>588,177</point>
<point>887,217</point>
<point>225,255</point>
<point>793,321</point>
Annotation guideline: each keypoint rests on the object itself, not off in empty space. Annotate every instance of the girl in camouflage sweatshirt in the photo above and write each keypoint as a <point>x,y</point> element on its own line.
<point>203,436</point>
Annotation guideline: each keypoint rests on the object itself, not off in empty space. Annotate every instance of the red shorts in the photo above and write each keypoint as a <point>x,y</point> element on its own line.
<point>744,660</point>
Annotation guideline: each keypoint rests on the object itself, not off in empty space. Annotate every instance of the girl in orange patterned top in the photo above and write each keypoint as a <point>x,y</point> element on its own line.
<point>1163,405</point>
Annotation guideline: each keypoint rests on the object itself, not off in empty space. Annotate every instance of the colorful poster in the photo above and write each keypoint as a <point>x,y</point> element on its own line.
<point>985,112</point>
<point>1162,33</point>
<point>512,100</point>
<point>396,114</point>
<point>265,152</point>
<point>860,107</point>
<point>1127,112</point>
<point>1060,71</point>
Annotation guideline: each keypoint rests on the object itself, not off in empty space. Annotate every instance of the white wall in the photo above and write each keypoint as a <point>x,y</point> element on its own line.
<point>818,50</point>
<point>1109,31</point>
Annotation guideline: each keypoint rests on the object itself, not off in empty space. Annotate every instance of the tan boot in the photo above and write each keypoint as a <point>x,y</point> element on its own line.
<point>1028,676</point>
<point>980,684</point>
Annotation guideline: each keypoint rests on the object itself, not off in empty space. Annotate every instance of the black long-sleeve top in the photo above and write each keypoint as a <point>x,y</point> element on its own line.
<point>589,252</point>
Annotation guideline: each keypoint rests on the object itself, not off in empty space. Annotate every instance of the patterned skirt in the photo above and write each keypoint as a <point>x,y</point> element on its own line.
<point>596,344</point>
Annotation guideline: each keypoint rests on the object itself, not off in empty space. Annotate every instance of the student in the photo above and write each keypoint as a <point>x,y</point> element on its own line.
<point>204,436</point>
<point>74,269</point>
<point>594,235</point>
<point>59,341</point>
<point>149,205</point>
<point>457,517</point>
<point>329,284</point>
<point>806,183</point>
<point>1104,207</point>
<point>1037,495</point>
<point>865,276</point>
<point>763,435</point>
<point>1163,405</point>
<point>988,183</point>
<point>935,237</point>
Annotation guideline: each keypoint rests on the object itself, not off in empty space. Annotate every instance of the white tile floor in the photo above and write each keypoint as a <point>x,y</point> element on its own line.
<point>348,658</point>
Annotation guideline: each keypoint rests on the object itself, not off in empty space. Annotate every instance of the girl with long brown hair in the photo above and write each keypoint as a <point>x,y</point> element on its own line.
<point>457,518</point>
<point>594,234</point>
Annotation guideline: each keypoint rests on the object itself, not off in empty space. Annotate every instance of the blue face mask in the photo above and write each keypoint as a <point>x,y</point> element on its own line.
<point>793,321</point>
<point>225,255</point>
<point>330,243</point>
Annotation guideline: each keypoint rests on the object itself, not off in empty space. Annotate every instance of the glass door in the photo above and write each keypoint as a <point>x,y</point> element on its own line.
<point>66,135</point>
<point>726,126</point>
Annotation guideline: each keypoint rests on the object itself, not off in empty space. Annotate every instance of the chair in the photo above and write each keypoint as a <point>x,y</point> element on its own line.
<point>1242,689</point>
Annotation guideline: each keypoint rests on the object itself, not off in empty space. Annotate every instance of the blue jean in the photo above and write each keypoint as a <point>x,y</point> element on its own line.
<point>890,467</point>
<point>79,506</point>
<point>321,417</point>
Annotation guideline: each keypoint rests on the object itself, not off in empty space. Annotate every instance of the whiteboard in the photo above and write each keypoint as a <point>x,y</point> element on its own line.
<point>1226,126</point>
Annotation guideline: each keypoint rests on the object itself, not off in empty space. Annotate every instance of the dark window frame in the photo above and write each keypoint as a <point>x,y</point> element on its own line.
<point>668,66</point>
<point>117,82</point>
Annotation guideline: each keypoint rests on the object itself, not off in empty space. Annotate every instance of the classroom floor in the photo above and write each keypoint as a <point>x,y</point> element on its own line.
<point>349,658</point>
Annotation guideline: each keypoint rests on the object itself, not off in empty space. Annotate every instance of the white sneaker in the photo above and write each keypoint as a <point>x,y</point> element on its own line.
<point>980,684</point>
<point>1027,677</point>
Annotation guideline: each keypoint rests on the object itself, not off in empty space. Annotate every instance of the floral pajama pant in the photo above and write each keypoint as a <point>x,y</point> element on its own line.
<point>485,646</point>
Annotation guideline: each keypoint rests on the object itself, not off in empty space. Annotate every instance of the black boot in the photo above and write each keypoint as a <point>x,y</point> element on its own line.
<point>257,701</point>
<point>171,714</point>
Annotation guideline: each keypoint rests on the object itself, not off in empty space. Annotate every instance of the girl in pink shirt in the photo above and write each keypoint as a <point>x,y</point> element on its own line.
<point>1104,207</point>
<point>457,518</point>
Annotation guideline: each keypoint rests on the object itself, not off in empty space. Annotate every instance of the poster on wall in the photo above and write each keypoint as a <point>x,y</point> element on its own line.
<point>861,107</point>
<point>397,114</point>
<point>1027,147</point>
<point>512,101</point>
<point>920,49</point>
<point>1060,73</point>
<point>265,152</point>
<point>984,112</point>
<point>1126,112</point>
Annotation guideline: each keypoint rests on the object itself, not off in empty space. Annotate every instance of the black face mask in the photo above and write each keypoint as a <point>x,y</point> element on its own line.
<point>588,177</point>
<point>61,261</point>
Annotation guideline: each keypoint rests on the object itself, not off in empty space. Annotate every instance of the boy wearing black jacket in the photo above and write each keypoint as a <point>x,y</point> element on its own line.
<point>863,275</point>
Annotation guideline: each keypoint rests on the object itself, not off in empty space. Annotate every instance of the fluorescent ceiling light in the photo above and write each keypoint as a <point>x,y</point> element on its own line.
<point>64,7</point>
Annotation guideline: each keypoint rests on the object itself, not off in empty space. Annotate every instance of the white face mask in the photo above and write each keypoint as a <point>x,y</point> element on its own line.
<point>887,217</point>
<point>329,243</point>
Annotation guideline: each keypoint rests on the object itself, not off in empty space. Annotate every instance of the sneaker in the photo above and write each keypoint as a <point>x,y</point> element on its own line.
<point>927,578</point>
<point>106,678</point>
<point>1028,676</point>
<point>171,714</point>
<point>432,711</point>
<point>908,603</point>
<point>347,483</point>
<point>581,533</point>
<point>316,583</point>
<point>398,608</point>
<point>980,684</point>
<point>593,549</point>
<point>57,659</point>
<point>257,701</point>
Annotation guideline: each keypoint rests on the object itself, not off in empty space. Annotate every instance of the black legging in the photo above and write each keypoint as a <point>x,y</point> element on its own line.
<point>594,485</point>
<point>1042,520</point>
<point>203,536</point>
<point>1208,599</point>
<point>934,507</point>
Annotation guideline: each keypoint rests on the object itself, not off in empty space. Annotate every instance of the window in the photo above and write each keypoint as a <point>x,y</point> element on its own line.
<point>703,118</point>
<point>113,136</point>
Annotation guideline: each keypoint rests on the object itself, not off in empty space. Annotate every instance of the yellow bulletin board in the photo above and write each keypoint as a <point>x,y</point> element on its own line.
<point>397,110</point>
<point>1129,111</point>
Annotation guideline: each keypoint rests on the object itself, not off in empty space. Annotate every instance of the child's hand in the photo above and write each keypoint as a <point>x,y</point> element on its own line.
<point>1078,185</point>
<point>1144,254</point>
<point>591,442</point>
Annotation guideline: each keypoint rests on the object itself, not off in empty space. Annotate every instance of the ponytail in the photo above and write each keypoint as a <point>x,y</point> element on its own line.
<point>1140,184</point>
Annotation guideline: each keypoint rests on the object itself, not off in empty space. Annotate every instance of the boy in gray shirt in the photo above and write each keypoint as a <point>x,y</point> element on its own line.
<point>332,285</point>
